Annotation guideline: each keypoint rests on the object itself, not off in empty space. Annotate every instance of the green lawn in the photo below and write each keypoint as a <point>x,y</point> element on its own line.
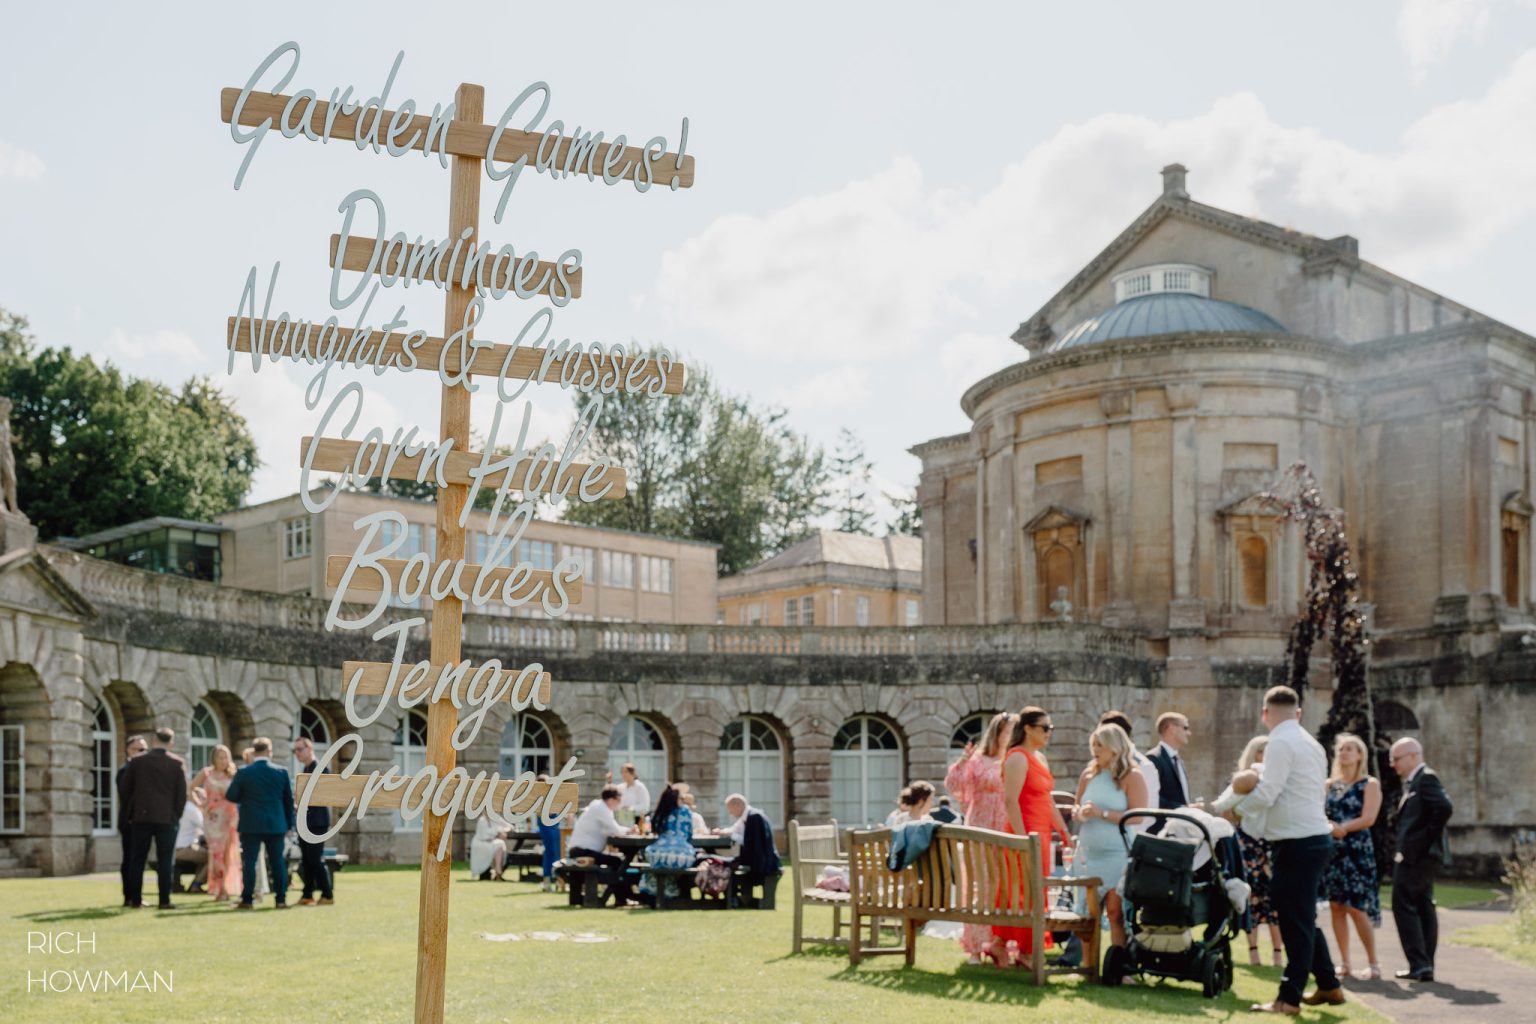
<point>355,962</point>
<point>1451,896</point>
<point>1500,938</point>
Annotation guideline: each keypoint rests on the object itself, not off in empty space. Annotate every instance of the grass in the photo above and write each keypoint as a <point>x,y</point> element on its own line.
<point>1502,938</point>
<point>1450,897</point>
<point>355,962</point>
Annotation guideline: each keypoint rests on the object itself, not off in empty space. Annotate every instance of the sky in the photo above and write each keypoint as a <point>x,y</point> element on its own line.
<point>883,193</point>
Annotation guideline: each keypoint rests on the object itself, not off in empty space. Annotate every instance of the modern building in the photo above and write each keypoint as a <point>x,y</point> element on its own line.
<point>830,579</point>
<point>181,547</point>
<point>280,546</point>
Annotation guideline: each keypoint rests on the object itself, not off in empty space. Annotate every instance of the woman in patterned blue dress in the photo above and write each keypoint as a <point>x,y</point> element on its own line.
<point>673,847</point>
<point>1351,884</point>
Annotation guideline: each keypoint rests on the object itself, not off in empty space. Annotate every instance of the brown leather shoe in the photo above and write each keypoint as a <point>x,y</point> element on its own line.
<point>1324,997</point>
<point>1276,1007</point>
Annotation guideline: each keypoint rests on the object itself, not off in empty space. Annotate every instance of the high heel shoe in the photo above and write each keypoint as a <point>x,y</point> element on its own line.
<point>1371,973</point>
<point>990,952</point>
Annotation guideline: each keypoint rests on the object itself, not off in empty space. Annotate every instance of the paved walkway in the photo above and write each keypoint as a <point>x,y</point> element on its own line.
<point>1472,985</point>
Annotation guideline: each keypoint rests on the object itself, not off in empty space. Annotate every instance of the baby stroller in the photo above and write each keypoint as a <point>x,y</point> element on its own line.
<point>1179,920</point>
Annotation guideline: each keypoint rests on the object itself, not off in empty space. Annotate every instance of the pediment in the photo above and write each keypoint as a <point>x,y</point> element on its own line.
<point>1054,517</point>
<point>1519,504</point>
<point>1254,505</point>
<point>28,583</point>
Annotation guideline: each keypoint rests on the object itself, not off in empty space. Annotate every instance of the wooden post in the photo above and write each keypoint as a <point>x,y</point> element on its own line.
<point>448,613</point>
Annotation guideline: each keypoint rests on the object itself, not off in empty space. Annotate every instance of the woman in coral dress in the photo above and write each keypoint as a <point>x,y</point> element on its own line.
<point>976,780</point>
<point>1027,785</point>
<point>220,824</point>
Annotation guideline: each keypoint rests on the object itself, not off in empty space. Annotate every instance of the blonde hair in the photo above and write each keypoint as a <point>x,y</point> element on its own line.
<point>1250,755</point>
<point>1349,739</point>
<point>213,758</point>
<point>993,738</point>
<point>1113,737</point>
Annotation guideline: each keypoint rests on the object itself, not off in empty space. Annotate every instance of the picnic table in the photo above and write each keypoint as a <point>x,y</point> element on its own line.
<point>630,846</point>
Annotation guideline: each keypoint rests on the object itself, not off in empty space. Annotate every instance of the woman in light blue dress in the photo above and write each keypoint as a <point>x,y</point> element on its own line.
<point>1109,786</point>
<point>673,847</point>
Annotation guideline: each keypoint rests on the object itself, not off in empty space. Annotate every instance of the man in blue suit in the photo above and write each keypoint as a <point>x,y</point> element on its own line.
<point>265,795</point>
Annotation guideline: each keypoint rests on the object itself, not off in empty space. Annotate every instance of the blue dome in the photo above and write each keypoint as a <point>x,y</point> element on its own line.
<point>1166,313</point>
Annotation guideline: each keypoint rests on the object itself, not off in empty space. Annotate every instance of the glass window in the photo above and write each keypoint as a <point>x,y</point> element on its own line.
<point>206,735</point>
<point>410,751</point>
<point>807,611</point>
<point>588,561</point>
<point>618,569</point>
<point>296,537</point>
<point>526,746</point>
<point>536,554</point>
<point>656,574</point>
<point>13,780</point>
<point>752,764</point>
<point>866,772</point>
<point>969,730</point>
<point>861,611</point>
<point>914,615</point>
<point>103,770</point>
<point>751,615</point>
<point>792,611</point>
<point>638,742</point>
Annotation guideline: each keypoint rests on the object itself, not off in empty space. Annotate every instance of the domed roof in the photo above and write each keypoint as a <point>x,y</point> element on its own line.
<point>1166,313</point>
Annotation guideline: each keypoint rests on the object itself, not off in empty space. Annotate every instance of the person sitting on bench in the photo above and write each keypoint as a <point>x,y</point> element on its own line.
<point>758,859</point>
<point>488,850</point>
<point>191,847</point>
<point>594,827</point>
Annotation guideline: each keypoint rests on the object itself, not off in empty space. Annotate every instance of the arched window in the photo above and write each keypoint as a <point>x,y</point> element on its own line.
<point>311,725</point>
<point>411,755</point>
<point>206,735</point>
<point>866,772</point>
<point>969,730</point>
<point>752,764</point>
<point>526,746</point>
<point>1253,569</point>
<point>640,743</point>
<point>103,770</point>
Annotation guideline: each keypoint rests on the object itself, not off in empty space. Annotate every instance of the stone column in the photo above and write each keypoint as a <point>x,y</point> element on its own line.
<point>1452,605</point>
<point>982,548</point>
<point>930,493</point>
<point>1002,575</point>
<point>1187,610</point>
<point>1119,489</point>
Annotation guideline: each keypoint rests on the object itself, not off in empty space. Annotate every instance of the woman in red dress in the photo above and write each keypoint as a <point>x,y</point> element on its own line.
<point>1027,785</point>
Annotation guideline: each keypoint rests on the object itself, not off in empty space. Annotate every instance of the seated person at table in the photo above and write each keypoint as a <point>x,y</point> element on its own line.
<point>673,847</point>
<point>594,827</point>
<point>488,850</point>
<point>754,835</point>
<point>685,794</point>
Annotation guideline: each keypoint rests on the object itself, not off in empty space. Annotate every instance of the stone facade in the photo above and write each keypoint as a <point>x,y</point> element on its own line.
<point>830,579</point>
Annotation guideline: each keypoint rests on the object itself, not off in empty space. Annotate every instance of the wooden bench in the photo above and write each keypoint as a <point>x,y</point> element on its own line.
<point>588,885</point>
<point>811,848</point>
<point>971,875</point>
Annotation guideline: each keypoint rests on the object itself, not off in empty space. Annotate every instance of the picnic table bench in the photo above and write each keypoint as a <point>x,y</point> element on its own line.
<point>971,875</point>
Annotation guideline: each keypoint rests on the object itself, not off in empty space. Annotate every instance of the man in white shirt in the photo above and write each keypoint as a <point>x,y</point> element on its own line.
<point>1291,795</point>
<point>189,840</point>
<point>634,797</point>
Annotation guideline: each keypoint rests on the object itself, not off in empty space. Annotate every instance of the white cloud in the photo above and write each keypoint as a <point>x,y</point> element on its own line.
<point>966,358</point>
<point>161,344</point>
<point>23,164</point>
<point>839,386</point>
<point>889,264</point>
<point>1428,29</point>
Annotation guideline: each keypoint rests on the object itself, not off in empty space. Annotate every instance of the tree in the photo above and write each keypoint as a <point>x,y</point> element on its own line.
<point>707,466</point>
<point>95,449</point>
<point>909,515</point>
<point>851,472</point>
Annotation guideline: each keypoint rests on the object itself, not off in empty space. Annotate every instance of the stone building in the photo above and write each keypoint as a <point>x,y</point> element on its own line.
<point>832,579</point>
<point>1169,382</point>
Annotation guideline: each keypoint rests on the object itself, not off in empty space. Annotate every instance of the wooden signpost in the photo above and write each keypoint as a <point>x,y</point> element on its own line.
<point>467,272</point>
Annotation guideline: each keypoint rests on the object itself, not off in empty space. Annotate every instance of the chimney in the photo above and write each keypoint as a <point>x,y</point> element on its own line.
<point>1173,181</point>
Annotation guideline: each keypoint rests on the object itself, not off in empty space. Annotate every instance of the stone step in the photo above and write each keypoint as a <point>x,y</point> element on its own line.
<point>21,873</point>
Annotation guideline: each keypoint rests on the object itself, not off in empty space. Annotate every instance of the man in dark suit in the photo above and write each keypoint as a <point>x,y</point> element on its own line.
<point>154,793</point>
<point>312,870</point>
<point>135,747</point>
<point>1173,782</point>
<point>1422,813</point>
<point>264,793</point>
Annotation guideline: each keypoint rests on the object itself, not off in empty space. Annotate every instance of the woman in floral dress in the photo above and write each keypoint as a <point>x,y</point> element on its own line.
<point>220,824</point>
<point>976,780</point>
<point>1351,883</point>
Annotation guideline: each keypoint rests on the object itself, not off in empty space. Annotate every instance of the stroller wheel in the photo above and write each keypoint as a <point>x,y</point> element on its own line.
<point>1213,975</point>
<point>1117,964</point>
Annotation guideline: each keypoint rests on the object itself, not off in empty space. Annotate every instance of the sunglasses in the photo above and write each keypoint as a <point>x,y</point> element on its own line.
<point>1047,726</point>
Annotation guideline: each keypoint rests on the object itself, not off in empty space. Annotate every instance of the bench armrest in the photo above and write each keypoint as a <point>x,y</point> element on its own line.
<point>827,863</point>
<point>1075,883</point>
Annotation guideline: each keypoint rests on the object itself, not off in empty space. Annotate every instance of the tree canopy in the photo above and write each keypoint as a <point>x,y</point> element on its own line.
<point>96,449</point>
